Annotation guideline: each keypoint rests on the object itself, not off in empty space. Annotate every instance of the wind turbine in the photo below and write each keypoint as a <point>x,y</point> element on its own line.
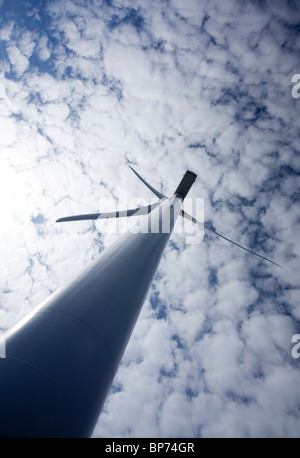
<point>61,359</point>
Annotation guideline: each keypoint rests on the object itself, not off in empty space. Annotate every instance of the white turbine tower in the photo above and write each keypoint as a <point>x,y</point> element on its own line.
<point>62,358</point>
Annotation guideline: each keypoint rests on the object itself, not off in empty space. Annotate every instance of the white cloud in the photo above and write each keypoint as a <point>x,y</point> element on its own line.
<point>18,61</point>
<point>43,49</point>
<point>27,43</point>
<point>6,30</point>
<point>9,130</point>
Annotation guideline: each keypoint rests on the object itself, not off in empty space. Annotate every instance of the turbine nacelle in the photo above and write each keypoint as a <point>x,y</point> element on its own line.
<point>185,184</point>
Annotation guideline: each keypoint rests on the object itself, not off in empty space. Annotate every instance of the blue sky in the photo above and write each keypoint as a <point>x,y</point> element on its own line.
<point>88,87</point>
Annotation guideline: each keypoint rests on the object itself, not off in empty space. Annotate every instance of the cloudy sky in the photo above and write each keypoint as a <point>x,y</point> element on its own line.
<point>88,87</point>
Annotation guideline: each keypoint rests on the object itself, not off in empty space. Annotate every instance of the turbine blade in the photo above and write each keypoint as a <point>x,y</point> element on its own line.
<point>157,193</point>
<point>117,214</point>
<point>78,217</point>
<point>193,220</point>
